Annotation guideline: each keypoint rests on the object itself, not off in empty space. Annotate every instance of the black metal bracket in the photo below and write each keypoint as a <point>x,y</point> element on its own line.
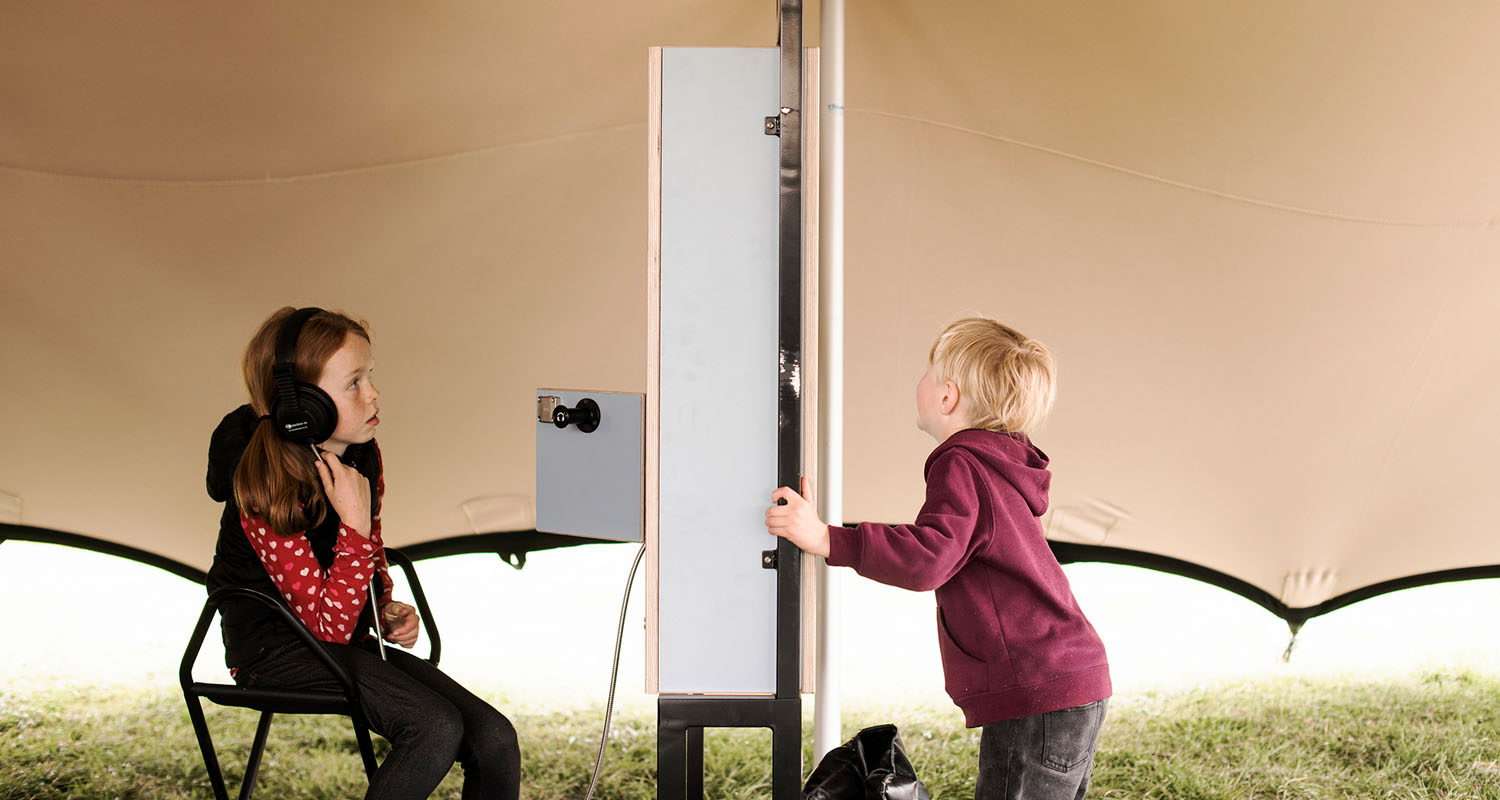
<point>773,126</point>
<point>768,559</point>
<point>789,340</point>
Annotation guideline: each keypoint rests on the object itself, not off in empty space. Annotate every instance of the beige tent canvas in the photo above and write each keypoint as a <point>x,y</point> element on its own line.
<point>1260,239</point>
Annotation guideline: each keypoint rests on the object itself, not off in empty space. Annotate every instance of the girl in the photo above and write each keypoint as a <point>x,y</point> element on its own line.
<point>294,469</point>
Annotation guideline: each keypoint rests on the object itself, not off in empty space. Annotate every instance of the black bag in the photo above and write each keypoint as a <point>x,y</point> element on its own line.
<point>871,766</point>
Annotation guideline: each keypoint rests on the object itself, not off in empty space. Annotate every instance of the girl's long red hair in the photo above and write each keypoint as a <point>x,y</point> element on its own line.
<point>275,479</point>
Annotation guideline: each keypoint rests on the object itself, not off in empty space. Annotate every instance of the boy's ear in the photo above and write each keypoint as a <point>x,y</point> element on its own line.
<point>948,403</point>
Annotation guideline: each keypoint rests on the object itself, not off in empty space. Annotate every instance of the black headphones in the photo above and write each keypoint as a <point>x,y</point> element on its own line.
<point>302,412</point>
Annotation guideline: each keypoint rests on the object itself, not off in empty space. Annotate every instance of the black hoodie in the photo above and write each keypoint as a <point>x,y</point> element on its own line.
<point>252,631</point>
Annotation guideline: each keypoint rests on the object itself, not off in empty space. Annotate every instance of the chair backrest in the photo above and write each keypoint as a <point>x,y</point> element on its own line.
<point>434,641</point>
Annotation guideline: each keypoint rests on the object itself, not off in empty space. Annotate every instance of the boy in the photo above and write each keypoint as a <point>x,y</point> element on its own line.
<point>1019,658</point>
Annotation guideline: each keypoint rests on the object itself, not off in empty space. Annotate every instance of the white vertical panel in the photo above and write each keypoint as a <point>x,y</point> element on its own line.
<point>718,415</point>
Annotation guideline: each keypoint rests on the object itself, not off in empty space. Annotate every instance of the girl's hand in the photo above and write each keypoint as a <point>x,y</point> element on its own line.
<point>400,623</point>
<point>797,521</point>
<point>348,492</point>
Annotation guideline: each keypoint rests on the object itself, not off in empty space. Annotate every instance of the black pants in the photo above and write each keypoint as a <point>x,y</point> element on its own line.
<point>1046,757</point>
<point>430,720</point>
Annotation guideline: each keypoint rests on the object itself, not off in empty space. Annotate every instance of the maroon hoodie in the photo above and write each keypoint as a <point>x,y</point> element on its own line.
<point>1013,640</point>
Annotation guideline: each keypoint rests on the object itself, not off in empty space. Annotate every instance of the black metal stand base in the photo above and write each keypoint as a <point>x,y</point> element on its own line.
<point>679,744</point>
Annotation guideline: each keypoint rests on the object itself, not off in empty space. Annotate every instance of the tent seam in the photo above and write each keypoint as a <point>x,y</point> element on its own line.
<point>1271,204</point>
<point>313,176</point>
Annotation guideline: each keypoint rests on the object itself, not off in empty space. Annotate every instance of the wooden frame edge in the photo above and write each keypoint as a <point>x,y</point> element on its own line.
<point>651,506</point>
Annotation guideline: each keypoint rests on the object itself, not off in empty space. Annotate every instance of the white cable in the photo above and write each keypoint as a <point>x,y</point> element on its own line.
<point>614,674</point>
<point>375,614</point>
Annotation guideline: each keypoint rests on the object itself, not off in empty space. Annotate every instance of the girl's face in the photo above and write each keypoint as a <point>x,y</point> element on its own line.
<point>346,379</point>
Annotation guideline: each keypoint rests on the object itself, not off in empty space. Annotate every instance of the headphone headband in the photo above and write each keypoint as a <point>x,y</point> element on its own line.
<point>286,342</point>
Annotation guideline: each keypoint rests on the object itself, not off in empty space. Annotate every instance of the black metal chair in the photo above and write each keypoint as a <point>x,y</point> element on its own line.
<point>270,702</point>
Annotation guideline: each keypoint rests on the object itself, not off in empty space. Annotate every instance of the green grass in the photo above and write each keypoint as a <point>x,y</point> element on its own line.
<point>1427,735</point>
<point>1430,735</point>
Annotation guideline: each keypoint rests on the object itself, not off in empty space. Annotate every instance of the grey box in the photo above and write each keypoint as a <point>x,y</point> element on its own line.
<point>593,484</point>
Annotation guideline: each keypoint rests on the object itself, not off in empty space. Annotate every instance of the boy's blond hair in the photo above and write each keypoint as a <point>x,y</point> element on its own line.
<point>1008,381</point>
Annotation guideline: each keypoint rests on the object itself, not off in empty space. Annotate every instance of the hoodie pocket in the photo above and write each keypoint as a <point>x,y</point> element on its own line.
<point>963,674</point>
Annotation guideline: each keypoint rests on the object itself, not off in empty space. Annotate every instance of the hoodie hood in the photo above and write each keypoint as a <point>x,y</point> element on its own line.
<point>225,447</point>
<point>1011,455</point>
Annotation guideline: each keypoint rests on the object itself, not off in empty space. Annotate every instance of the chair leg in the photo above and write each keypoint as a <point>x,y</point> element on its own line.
<point>366,749</point>
<point>206,744</point>
<point>252,769</point>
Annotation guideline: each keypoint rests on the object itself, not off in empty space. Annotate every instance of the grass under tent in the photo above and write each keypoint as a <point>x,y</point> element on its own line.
<point>1429,734</point>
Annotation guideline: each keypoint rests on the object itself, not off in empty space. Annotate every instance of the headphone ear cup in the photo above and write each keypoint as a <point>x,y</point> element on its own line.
<point>308,417</point>
<point>322,415</point>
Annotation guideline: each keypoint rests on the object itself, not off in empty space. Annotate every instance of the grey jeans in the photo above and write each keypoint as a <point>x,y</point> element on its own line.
<point>1046,757</point>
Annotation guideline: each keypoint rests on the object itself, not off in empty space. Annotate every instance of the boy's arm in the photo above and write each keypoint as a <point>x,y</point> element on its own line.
<point>926,554</point>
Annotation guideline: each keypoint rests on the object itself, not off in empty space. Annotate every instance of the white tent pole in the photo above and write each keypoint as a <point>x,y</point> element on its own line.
<point>830,492</point>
